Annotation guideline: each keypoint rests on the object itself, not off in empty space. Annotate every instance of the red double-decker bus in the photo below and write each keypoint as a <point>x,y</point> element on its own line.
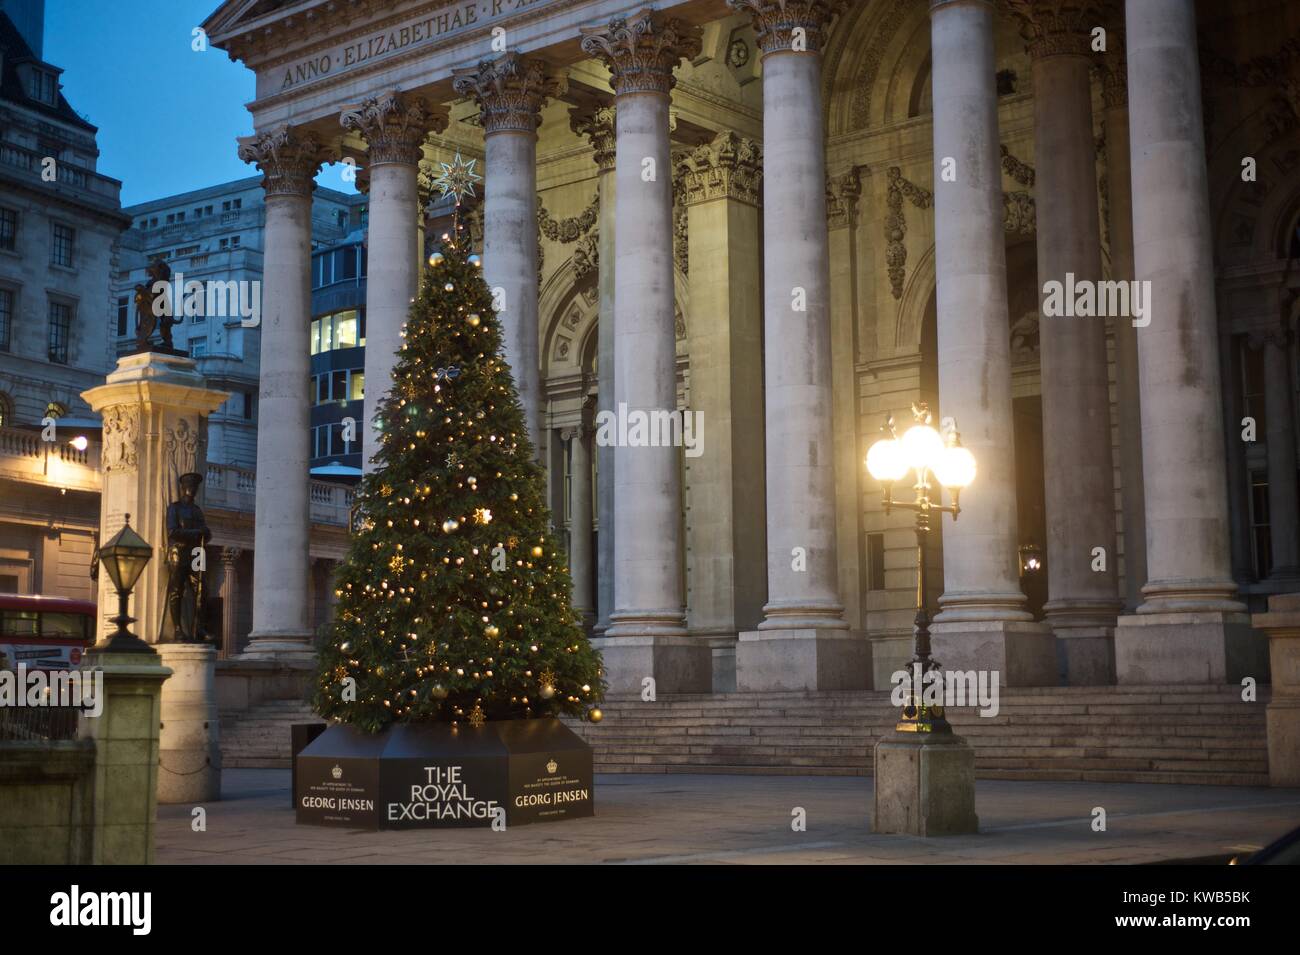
<point>45,633</point>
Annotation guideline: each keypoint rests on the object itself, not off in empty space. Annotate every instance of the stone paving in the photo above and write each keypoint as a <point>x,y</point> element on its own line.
<point>658,818</point>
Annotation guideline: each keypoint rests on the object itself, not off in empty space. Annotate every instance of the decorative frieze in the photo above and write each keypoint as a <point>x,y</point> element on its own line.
<point>571,229</point>
<point>509,90</point>
<point>842,194</point>
<point>1057,27</point>
<point>1021,172</point>
<point>797,26</point>
<point>900,188</point>
<point>287,160</point>
<point>394,126</point>
<point>641,51</point>
<point>121,424</point>
<point>1018,213</point>
<point>598,126</point>
<point>729,167</point>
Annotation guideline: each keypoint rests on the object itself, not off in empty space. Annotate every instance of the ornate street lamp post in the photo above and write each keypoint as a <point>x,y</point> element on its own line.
<point>923,452</point>
<point>124,558</point>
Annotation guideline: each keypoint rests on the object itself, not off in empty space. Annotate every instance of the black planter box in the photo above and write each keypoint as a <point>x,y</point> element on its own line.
<point>434,776</point>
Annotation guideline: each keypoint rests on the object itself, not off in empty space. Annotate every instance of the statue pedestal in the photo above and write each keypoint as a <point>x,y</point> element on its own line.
<point>925,785</point>
<point>155,408</point>
<point>189,750</point>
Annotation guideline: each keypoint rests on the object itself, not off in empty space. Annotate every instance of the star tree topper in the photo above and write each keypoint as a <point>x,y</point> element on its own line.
<point>457,178</point>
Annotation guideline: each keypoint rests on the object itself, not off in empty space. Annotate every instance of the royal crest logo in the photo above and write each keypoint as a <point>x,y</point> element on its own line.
<point>552,766</point>
<point>337,771</point>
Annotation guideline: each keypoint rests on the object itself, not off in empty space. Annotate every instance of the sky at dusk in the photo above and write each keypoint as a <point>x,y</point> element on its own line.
<point>167,115</point>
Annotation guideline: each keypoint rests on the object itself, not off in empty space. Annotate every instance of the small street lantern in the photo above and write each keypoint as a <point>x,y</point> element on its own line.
<point>124,558</point>
<point>925,453</point>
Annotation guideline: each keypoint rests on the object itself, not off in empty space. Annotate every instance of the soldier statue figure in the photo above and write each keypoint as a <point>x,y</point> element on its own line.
<point>187,533</point>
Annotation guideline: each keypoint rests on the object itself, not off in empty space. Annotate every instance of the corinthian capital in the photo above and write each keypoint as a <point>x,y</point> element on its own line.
<point>394,125</point>
<point>509,90</point>
<point>729,167</point>
<point>1058,27</point>
<point>797,26</point>
<point>642,50</point>
<point>288,161</point>
<point>597,124</point>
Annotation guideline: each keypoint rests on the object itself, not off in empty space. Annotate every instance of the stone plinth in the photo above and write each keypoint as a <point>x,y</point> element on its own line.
<point>125,734</point>
<point>1194,647</point>
<point>155,409</point>
<point>924,785</point>
<point>1022,653</point>
<point>804,659</point>
<point>1282,624</point>
<point>1088,655</point>
<point>189,744</point>
<point>677,664</point>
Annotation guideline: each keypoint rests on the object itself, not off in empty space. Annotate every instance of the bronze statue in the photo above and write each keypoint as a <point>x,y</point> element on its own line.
<point>153,309</point>
<point>187,530</point>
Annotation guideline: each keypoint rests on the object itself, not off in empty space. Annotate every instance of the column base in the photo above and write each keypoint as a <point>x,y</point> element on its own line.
<point>799,659</point>
<point>678,664</point>
<point>890,652</point>
<point>1020,653</point>
<point>1283,721</point>
<point>279,646</point>
<point>1208,647</point>
<point>924,785</point>
<point>1087,655</point>
<point>189,750</point>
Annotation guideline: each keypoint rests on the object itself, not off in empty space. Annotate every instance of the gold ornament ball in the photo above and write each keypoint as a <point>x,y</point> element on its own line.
<point>537,551</point>
<point>473,319</point>
<point>436,259</point>
<point>345,646</point>
<point>439,691</point>
<point>492,632</point>
<point>449,525</point>
<point>595,715</point>
<point>449,287</point>
<point>547,692</point>
<point>475,261</point>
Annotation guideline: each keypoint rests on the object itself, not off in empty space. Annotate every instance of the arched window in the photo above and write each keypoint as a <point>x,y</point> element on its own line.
<point>56,409</point>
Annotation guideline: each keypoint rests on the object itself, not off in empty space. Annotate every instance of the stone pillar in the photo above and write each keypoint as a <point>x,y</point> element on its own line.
<point>1190,629</point>
<point>230,602</point>
<point>155,408</point>
<point>394,127</point>
<point>1282,624</point>
<point>647,634</point>
<point>722,186</point>
<point>288,162</point>
<point>510,91</point>
<point>1079,477</point>
<point>597,125</point>
<point>1128,396</point>
<point>982,621</point>
<point>125,791</point>
<point>580,519</point>
<point>189,746</point>
<point>803,641</point>
<point>1283,508</point>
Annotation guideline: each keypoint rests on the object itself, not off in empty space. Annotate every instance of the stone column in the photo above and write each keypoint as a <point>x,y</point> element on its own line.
<point>597,125</point>
<point>1190,629</point>
<point>394,127</point>
<point>803,641</point>
<point>722,191</point>
<point>647,634</point>
<point>510,91</point>
<point>230,601</point>
<point>982,621</point>
<point>580,519</point>
<point>1127,390</point>
<point>288,163</point>
<point>1283,506</point>
<point>1079,478</point>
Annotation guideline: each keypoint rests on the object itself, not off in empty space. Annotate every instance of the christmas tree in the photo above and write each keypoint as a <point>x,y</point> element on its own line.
<point>454,599</point>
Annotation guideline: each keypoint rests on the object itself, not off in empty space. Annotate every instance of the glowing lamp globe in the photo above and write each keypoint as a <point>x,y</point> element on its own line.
<point>886,462</point>
<point>955,467</point>
<point>922,446</point>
